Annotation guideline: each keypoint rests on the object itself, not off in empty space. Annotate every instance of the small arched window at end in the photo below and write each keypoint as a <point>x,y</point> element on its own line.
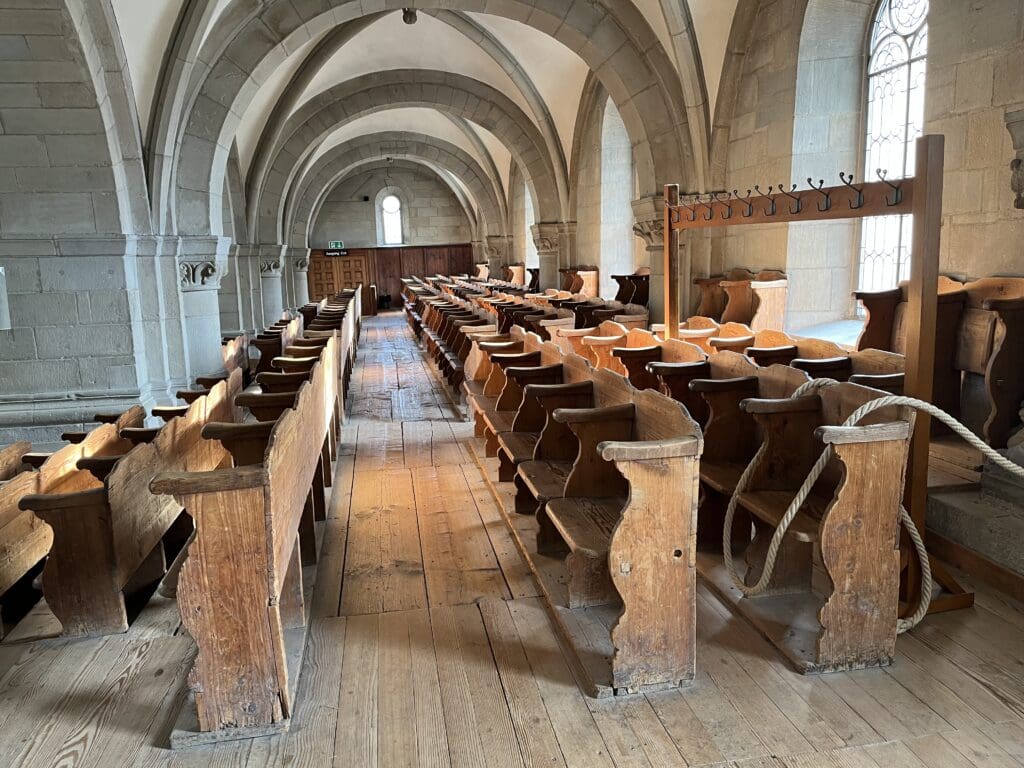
<point>391,220</point>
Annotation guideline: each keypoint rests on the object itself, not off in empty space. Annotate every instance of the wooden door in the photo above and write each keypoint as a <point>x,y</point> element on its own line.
<point>322,280</point>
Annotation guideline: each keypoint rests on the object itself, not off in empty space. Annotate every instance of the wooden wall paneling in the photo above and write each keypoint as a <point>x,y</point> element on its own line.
<point>436,261</point>
<point>389,273</point>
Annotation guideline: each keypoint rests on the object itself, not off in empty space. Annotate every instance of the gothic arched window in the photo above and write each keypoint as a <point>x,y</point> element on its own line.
<point>391,220</point>
<point>895,118</point>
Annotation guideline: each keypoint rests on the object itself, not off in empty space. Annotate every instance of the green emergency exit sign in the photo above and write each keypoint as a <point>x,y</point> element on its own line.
<point>337,245</point>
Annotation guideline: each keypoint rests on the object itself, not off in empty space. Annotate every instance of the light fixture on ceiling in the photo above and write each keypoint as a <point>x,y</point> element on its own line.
<point>409,15</point>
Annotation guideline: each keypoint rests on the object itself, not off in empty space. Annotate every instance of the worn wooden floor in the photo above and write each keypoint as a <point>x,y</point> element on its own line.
<point>429,647</point>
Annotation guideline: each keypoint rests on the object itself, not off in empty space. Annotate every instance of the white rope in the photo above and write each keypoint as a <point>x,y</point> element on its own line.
<point>819,466</point>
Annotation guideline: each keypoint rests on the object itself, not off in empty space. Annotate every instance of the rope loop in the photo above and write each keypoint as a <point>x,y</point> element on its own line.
<point>814,385</point>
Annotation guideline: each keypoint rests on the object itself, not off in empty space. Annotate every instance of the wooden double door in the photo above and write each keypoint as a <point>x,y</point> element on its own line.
<point>331,271</point>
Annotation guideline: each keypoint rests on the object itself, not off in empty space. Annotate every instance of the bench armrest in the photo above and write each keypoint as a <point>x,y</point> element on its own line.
<point>524,375</point>
<point>737,384</point>
<point>246,399</point>
<point>542,391</point>
<point>889,382</point>
<point>803,404</point>
<point>872,433</point>
<point>673,447</point>
<point>668,370</point>
<point>216,430</point>
<point>524,358</point>
<point>46,502</point>
<point>98,466</point>
<point>641,353</point>
<point>191,483</point>
<point>594,415</point>
<point>893,293</point>
<point>731,342</point>
<point>1003,305</point>
<point>604,341</point>
<point>821,364</point>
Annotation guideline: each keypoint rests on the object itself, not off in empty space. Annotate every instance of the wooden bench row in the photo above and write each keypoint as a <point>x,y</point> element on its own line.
<point>742,296</point>
<point>813,611</point>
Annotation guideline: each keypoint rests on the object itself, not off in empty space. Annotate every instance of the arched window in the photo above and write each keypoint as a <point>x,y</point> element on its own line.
<point>391,220</point>
<point>895,118</point>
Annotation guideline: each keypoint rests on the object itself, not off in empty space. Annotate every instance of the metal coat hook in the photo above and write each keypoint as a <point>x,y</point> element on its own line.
<point>691,209</point>
<point>897,197</point>
<point>770,210</point>
<point>746,202</point>
<point>727,202</point>
<point>799,203</point>
<point>711,211</point>
<point>820,189</point>
<point>848,181</point>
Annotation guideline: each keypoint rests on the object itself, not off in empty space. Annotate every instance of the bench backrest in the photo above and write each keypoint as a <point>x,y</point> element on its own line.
<point>60,473</point>
<point>235,353</point>
<point>24,538</point>
<point>140,518</point>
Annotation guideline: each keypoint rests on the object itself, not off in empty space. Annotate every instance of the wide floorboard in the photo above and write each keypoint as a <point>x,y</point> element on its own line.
<point>429,646</point>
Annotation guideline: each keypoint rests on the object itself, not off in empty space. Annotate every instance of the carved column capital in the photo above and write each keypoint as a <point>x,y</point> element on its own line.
<point>649,221</point>
<point>547,236</point>
<point>270,267</point>
<point>1015,125</point>
<point>199,274</point>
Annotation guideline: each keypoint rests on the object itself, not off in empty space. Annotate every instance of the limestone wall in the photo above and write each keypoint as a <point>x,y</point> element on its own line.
<point>434,215</point>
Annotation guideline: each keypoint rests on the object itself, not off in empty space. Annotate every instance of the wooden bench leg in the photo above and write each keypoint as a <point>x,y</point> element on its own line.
<point>506,467</point>
<point>86,598</point>
<point>318,493</point>
<point>549,540</point>
<point>307,532</point>
<point>792,572</point>
<point>293,613</point>
<point>525,504</point>
<point>711,521</point>
<point>325,463</point>
<point>491,447</point>
<point>589,581</point>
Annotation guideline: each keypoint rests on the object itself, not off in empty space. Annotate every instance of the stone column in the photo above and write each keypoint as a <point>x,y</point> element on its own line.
<point>202,262</point>
<point>566,244</point>
<point>546,237</point>
<point>231,294</point>
<point>271,273</point>
<point>298,259</point>
<point>499,248</point>
<point>479,252</point>
<point>649,226</point>
<point>1015,125</point>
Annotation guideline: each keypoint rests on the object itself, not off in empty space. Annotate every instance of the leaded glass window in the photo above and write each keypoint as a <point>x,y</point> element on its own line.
<point>895,117</point>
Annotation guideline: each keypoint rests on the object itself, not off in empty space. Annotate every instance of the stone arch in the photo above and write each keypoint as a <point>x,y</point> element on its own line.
<point>378,163</point>
<point>453,94</point>
<point>614,39</point>
<point>401,144</point>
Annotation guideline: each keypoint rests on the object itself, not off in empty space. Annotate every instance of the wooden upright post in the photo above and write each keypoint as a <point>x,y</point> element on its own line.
<point>671,264</point>
<point>922,301</point>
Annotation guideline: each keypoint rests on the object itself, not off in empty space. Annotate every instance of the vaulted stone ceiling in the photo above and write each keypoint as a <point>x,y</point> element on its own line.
<point>511,50</point>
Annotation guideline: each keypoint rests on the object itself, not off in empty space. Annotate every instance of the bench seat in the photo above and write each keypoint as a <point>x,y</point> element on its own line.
<point>770,506</point>
<point>721,476</point>
<point>586,526</point>
<point>545,479</point>
<point>518,446</point>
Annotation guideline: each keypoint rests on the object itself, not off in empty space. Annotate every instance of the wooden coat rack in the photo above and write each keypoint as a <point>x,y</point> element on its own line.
<point>921,196</point>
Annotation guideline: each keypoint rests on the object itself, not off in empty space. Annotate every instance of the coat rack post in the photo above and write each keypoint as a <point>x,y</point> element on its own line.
<point>671,264</point>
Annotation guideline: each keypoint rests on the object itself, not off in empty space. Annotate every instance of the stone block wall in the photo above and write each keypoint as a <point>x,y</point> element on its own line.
<point>976,76</point>
<point>434,215</point>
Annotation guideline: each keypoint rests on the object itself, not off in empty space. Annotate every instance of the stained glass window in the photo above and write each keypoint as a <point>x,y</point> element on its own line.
<point>391,219</point>
<point>895,117</point>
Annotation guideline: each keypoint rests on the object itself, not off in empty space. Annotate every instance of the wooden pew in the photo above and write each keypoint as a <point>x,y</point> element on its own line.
<point>572,340</point>
<point>610,490</point>
<point>248,521</point>
<point>273,340</point>
<point>108,527</point>
<point>741,296</point>
<point>11,461</point>
<point>833,600</point>
<point>640,352</point>
<point>24,539</point>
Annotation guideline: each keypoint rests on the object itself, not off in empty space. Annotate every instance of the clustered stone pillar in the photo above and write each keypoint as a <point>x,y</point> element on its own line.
<point>202,263</point>
<point>547,238</point>
<point>273,296</point>
<point>296,261</point>
<point>649,226</point>
<point>499,249</point>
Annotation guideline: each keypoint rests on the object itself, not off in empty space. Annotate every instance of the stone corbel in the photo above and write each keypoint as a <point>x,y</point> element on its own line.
<point>1015,125</point>
<point>199,274</point>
